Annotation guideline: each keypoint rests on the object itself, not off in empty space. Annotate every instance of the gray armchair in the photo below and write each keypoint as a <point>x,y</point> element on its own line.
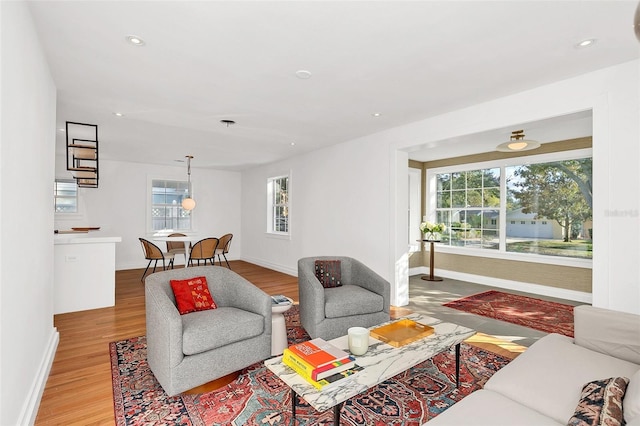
<point>363,299</point>
<point>185,351</point>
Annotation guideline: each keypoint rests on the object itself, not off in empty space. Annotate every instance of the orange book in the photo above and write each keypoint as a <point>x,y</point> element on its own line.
<point>318,352</point>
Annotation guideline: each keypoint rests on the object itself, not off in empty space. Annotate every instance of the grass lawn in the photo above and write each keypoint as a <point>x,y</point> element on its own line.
<point>578,248</point>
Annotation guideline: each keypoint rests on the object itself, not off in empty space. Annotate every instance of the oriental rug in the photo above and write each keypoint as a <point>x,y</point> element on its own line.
<point>542,315</point>
<point>258,397</point>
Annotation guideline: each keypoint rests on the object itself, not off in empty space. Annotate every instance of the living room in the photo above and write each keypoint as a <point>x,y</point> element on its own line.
<point>369,170</point>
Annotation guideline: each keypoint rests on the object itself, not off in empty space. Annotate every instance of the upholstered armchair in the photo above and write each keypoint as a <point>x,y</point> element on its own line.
<point>362,299</point>
<point>185,351</point>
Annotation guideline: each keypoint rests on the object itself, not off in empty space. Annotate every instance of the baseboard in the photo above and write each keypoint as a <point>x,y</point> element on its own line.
<point>543,290</point>
<point>274,266</point>
<point>32,403</point>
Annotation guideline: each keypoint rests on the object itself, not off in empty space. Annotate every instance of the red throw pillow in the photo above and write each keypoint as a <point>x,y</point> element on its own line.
<point>328,273</point>
<point>192,295</point>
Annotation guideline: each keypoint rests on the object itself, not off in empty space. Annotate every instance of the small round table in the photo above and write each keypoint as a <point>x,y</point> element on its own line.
<point>432,252</point>
<point>278,328</point>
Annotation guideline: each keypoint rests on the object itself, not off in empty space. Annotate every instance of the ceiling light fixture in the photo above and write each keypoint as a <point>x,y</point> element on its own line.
<point>517,143</point>
<point>376,114</point>
<point>188,203</point>
<point>585,43</point>
<point>118,114</point>
<point>636,22</point>
<point>303,74</point>
<point>228,122</point>
<point>135,40</point>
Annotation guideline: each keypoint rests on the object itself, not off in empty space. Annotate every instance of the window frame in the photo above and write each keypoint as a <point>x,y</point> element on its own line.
<point>56,197</point>
<point>271,206</point>
<point>501,253</point>
<point>150,204</point>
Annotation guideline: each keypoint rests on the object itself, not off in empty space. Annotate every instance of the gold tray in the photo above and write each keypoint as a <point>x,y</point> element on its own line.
<point>401,332</point>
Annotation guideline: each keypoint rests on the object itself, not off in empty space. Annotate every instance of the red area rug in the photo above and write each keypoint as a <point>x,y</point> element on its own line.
<point>258,397</point>
<point>542,315</point>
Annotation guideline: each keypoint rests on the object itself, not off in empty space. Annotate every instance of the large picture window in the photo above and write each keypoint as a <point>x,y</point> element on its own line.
<point>166,205</point>
<point>278,205</point>
<point>533,205</point>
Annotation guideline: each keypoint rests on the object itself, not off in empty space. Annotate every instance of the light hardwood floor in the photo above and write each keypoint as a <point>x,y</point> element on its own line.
<point>79,390</point>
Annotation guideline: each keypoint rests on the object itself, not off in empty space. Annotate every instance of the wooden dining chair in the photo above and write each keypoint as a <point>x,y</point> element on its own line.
<point>204,250</point>
<point>223,248</point>
<point>177,247</point>
<point>153,253</point>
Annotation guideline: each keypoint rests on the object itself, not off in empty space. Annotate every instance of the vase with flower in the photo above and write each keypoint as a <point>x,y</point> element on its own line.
<point>432,230</point>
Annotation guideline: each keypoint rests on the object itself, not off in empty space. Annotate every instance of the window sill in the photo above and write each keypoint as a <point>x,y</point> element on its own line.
<point>278,236</point>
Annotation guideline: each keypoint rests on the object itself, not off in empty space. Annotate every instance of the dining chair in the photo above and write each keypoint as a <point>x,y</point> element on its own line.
<point>204,250</point>
<point>153,253</point>
<point>223,248</point>
<point>177,247</point>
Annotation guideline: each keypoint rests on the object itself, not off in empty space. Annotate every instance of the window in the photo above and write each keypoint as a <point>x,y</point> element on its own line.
<point>487,207</point>
<point>65,195</point>
<point>278,205</point>
<point>166,205</point>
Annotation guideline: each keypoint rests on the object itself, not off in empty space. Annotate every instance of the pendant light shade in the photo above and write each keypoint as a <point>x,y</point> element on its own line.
<point>188,203</point>
<point>517,143</point>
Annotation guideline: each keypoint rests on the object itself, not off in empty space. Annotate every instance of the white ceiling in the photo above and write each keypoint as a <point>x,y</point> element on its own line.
<point>204,61</point>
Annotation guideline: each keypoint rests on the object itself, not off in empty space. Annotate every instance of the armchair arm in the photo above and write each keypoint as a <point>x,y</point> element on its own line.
<point>310,291</point>
<point>365,277</point>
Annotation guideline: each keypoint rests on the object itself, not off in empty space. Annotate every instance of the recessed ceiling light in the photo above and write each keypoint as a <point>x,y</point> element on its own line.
<point>376,114</point>
<point>585,43</point>
<point>292,144</point>
<point>61,130</point>
<point>118,114</point>
<point>303,74</point>
<point>135,40</point>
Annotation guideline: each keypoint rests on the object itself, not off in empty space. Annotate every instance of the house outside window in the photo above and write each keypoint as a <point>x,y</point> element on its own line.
<point>278,199</point>
<point>166,205</point>
<point>65,195</point>
<point>536,205</point>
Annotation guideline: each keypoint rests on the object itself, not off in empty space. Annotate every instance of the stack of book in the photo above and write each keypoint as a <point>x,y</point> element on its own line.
<point>320,363</point>
<point>280,299</point>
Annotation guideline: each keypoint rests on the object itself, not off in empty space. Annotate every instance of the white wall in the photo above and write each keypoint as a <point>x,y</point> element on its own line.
<point>347,198</point>
<point>119,205</point>
<point>28,100</point>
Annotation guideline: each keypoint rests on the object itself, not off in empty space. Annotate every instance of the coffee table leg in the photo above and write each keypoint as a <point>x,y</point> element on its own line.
<point>336,414</point>
<point>294,401</point>
<point>458,365</point>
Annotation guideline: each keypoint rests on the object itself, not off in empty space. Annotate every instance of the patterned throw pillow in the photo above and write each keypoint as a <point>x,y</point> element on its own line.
<point>601,403</point>
<point>192,295</point>
<point>328,273</point>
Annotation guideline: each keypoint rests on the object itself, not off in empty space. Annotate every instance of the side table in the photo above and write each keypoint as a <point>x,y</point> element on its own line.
<point>432,252</point>
<point>278,328</point>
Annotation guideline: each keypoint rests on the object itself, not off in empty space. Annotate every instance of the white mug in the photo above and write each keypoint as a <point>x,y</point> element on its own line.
<point>358,340</point>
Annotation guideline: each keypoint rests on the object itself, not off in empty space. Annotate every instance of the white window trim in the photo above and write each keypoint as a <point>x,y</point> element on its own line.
<point>269,216</point>
<point>149,205</point>
<point>501,253</point>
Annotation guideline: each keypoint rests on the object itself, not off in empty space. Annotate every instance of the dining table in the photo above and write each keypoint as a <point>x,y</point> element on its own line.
<point>188,240</point>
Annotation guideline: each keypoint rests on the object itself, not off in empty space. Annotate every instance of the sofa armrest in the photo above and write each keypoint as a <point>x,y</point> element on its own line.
<point>609,332</point>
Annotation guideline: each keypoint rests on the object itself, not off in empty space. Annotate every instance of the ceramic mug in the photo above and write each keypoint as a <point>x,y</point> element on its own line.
<point>358,340</point>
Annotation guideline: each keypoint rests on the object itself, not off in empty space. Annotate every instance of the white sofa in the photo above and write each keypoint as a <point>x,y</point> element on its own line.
<point>543,385</point>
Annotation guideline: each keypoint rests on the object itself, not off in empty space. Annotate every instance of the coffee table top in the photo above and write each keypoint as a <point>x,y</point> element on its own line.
<point>381,362</point>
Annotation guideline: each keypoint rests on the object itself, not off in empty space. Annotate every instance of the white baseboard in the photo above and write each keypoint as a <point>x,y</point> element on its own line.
<point>32,403</point>
<point>275,267</point>
<point>543,290</point>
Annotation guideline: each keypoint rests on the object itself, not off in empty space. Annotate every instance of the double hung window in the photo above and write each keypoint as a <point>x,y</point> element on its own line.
<point>278,192</point>
<point>166,205</point>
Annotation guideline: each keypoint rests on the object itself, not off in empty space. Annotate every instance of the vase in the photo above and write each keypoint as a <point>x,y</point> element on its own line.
<point>430,236</point>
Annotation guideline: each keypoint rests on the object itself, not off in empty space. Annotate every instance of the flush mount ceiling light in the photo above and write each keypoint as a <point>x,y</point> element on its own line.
<point>188,203</point>
<point>517,143</point>
<point>135,40</point>
<point>303,74</point>
<point>228,122</point>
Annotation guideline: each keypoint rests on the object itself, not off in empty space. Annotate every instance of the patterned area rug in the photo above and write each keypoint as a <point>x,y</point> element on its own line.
<point>542,315</point>
<point>258,397</point>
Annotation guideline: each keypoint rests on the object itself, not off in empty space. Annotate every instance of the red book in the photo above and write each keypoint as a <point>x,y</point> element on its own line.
<point>318,352</point>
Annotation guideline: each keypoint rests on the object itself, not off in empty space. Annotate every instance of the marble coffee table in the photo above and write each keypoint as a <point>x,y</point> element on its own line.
<point>381,362</point>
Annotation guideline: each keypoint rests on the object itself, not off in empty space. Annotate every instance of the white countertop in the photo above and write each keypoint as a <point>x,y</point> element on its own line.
<point>86,238</point>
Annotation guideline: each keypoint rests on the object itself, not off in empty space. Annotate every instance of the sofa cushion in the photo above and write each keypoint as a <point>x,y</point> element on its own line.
<point>206,330</point>
<point>340,301</point>
<point>549,376</point>
<point>328,272</point>
<point>631,402</point>
<point>601,403</point>
<point>487,408</point>
<point>192,295</point>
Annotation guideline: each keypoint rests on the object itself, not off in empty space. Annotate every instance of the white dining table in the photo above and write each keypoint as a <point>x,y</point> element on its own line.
<point>187,240</point>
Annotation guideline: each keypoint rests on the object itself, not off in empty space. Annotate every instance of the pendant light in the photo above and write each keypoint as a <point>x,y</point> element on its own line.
<point>188,203</point>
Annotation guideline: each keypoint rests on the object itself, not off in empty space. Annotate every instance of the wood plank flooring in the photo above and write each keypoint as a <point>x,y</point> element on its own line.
<point>78,390</point>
